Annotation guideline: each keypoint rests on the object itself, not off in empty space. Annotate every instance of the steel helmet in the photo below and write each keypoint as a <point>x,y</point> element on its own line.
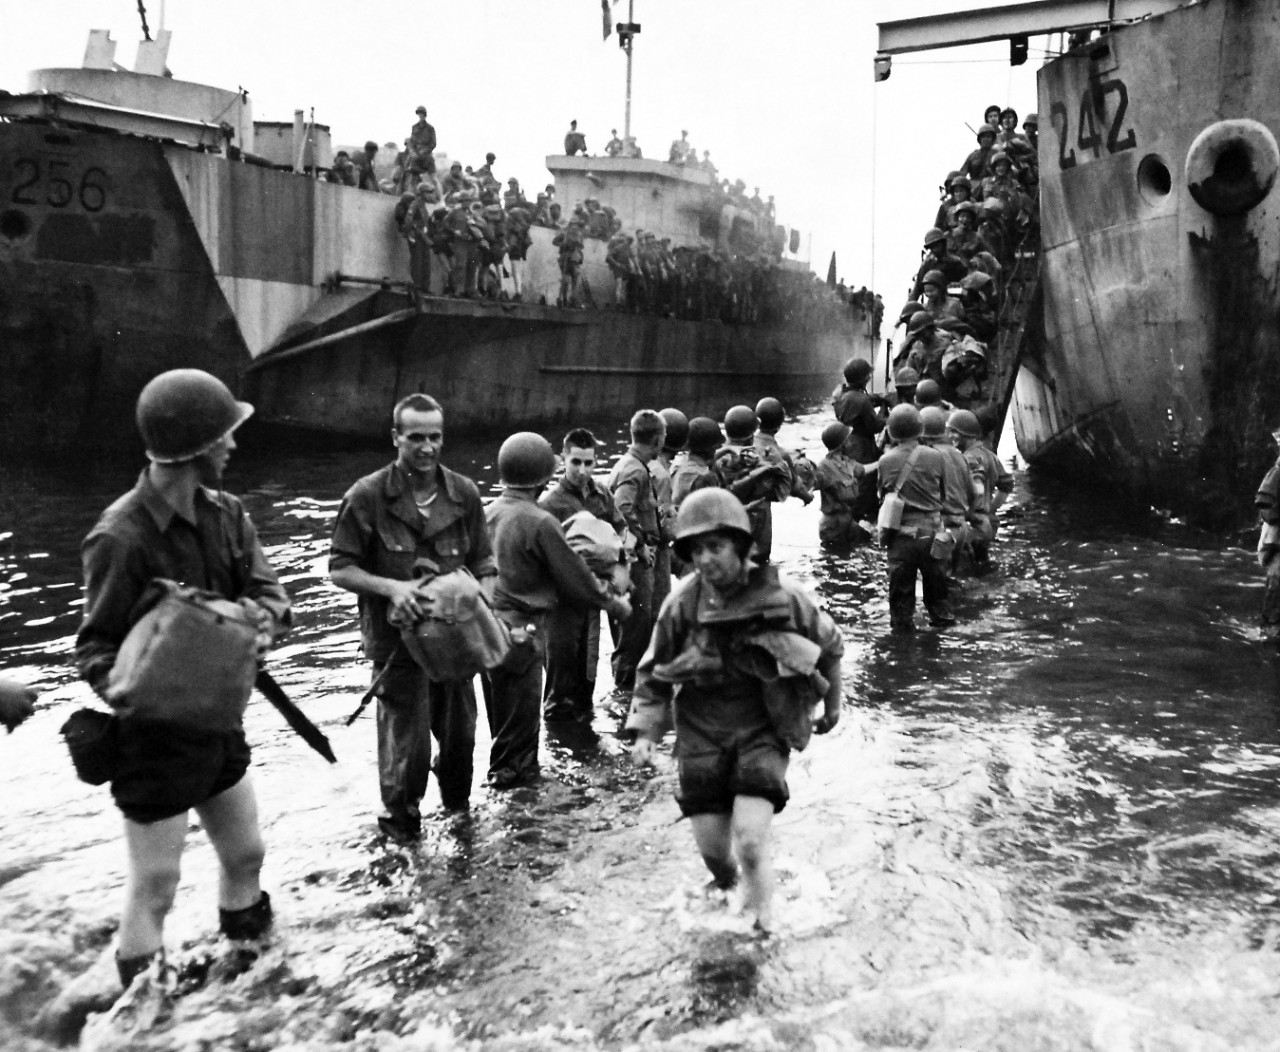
<point>906,377</point>
<point>965,423</point>
<point>834,434</point>
<point>987,129</point>
<point>935,278</point>
<point>857,371</point>
<point>1007,111</point>
<point>928,393</point>
<point>909,309</point>
<point>904,422</point>
<point>740,422</point>
<point>959,180</point>
<point>677,429</point>
<point>934,421</point>
<point>966,206</point>
<point>1031,119</point>
<point>526,460</point>
<point>920,321</point>
<point>705,435</point>
<point>975,281</point>
<point>993,206</point>
<point>997,157</point>
<point>182,412</point>
<point>932,236</point>
<point>705,511</point>
<point>770,414</point>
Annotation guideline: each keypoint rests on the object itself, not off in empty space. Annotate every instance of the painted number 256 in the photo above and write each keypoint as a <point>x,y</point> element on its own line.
<point>55,184</point>
<point>1093,112</point>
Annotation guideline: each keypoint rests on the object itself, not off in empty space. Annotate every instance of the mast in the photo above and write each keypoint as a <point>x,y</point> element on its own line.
<point>626,32</point>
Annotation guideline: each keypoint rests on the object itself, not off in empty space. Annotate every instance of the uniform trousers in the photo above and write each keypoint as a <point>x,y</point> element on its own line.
<point>513,702</point>
<point>907,556</point>
<point>631,637</point>
<point>573,649</point>
<point>411,710</point>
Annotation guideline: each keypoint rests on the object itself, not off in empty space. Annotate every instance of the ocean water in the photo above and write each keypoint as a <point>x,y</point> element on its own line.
<point>1054,826</point>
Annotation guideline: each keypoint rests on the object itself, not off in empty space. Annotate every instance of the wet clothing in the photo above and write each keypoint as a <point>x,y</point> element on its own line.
<point>838,481</point>
<point>694,474</point>
<point>537,571</point>
<point>1267,501</point>
<point>634,494</point>
<point>853,408</point>
<point>165,771</point>
<point>909,551</point>
<point>737,720</point>
<point>381,530</point>
<point>573,632</point>
<point>778,488</point>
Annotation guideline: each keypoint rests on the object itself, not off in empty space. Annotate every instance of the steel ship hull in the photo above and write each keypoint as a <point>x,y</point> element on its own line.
<point>123,256</point>
<point>1158,375</point>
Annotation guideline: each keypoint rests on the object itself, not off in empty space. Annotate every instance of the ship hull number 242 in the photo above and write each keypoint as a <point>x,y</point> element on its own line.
<point>1095,131</point>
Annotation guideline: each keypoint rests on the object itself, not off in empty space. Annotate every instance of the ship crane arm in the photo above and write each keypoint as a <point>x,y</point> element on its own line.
<point>983,25</point>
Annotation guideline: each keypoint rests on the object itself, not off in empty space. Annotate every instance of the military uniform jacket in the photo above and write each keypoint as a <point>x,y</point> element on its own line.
<point>923,491</point>
<point>747,695</point>
<point>563,500</point>
<point>141,537</point>
<point>633,493</point>
<point>838,481</point>
<point>853,408</point>
<point>771,453</point>
<point>537,570</point>
<point>380,530</point>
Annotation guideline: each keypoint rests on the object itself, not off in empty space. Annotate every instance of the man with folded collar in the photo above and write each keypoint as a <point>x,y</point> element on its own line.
<point>412,518</point>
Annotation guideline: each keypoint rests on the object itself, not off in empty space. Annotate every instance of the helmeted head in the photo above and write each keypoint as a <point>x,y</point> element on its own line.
<point>1031,122</point>
<point>834,435</point>
<point>740,423</point>
<point>921,322</point>
<point>988,132</point>
<point>526,461</point>
<point>677,433</point>
<point>489,158</point>
<point>997,159</point>
<point>959,181</point>
<point>906,377</point>
<point>371,147</point>
<point>183,413</point>
<point>421,111</point>
<point>705,436</point>
<point>934,236</point>
<point>934,422</point>
<point>711,510</point>
<point>857,371</point>
<point>928,393</point>
<point>963,422</point>
<point>988,417</point>
<point>967,208</point>
<point>909,309</point>
<point>904,423</point>
<point>770,414</point>
<point>935,278</point>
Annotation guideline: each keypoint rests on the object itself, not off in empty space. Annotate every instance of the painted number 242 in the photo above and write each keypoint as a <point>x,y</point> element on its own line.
<point>1089,128</point>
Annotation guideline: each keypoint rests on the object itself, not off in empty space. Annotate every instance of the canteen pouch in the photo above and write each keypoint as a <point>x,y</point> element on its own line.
<point>90,735</point>
<point>190,660</point>
<point>891,509</point>
<point>525,650</point>
<point>943,546</point>
<point>461,634</point>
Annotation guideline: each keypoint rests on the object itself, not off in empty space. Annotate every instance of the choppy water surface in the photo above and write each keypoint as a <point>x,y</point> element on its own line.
<point>1055,826</point>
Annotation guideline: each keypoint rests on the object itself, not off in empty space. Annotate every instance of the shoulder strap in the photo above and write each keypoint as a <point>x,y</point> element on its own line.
<point>906,470</point>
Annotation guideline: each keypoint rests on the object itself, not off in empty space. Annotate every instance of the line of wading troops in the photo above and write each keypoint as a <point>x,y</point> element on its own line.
<point>709,637</point>
<point>735,656</point>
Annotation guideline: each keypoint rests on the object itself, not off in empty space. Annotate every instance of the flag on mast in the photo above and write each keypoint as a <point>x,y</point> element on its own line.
<point>608,19</point>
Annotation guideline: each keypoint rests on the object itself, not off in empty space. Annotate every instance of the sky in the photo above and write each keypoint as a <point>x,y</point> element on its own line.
<point>780,91</point>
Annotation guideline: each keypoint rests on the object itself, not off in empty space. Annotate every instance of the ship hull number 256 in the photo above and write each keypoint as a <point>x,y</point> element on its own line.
<point>1095,130</point>
<point>57,184</point>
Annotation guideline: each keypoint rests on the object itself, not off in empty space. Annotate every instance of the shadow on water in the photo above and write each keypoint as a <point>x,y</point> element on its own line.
<point>1056,825</point>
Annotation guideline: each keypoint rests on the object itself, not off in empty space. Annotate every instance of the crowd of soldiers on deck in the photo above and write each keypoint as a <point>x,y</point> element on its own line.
<point>479,232</point>
<point>989,213</point>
